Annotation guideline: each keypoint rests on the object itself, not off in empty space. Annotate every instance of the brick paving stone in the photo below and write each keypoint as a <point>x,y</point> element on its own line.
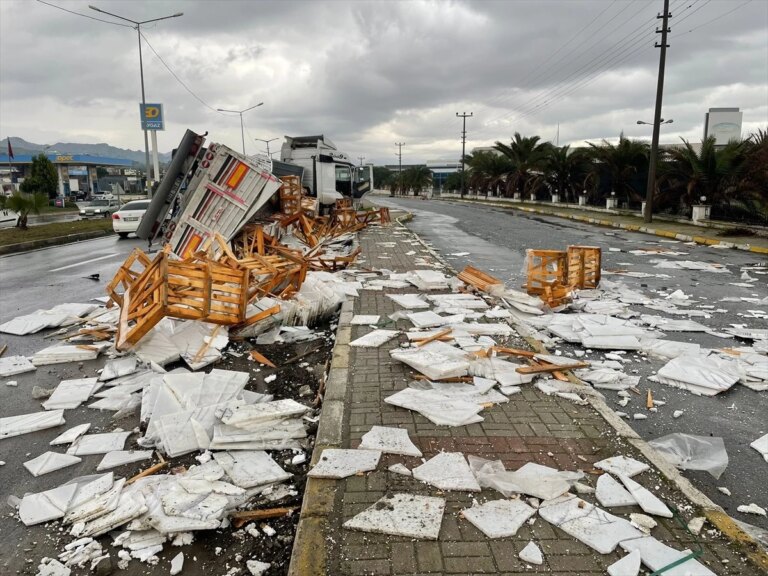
<point>531,427</point>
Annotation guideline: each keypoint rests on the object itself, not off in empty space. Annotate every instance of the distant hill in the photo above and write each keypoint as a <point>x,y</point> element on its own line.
<point>21,146</point>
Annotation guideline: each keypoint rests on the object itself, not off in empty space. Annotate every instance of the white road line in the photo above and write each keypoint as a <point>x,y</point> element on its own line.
<point>86,262</point>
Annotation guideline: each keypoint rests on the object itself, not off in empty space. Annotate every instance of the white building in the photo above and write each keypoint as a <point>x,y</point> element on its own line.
<point>724,124</point>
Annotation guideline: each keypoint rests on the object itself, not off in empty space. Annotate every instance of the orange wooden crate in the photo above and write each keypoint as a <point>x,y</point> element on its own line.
<point>546,268</point>
<point>584,264</point>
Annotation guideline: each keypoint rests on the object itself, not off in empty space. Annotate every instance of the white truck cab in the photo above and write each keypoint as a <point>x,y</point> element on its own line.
<point>328,174</point>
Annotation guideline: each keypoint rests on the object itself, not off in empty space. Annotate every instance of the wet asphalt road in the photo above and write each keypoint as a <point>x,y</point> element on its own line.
<point>496,240</point>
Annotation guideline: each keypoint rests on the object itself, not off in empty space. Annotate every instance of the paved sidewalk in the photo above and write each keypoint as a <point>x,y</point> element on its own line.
<point>664,228</point>
<point>532,427</point>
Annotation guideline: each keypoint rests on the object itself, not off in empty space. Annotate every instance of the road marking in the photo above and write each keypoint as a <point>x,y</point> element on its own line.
<point>85,262</point>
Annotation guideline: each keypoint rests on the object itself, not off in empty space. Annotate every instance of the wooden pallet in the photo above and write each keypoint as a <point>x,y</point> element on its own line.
<point>478,279</point>
<point>546,269</point>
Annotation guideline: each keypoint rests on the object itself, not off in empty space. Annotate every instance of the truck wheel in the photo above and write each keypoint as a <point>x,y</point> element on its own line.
<point>123,235</point>
<point>107,214</point>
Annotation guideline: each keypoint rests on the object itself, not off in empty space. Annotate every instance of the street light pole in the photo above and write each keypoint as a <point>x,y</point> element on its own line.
<point>138,24</point>
<point>267,143</point>
<point>242,133</point>
<point>464,117</point>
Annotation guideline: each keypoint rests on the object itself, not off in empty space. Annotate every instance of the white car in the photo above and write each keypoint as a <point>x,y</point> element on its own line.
<point>98,209</point>
<point>126,220</point>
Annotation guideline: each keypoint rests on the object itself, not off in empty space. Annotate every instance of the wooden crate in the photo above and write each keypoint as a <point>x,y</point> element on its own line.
<point>546,268</point>
<point>127,274</point>
<point>584,265</point>
<point>290,195</point>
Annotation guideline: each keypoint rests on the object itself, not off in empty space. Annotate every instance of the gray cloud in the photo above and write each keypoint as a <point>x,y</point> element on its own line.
<point>368,74</point>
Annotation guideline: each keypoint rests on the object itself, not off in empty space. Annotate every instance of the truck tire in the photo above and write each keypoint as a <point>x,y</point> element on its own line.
<point>123,235</point>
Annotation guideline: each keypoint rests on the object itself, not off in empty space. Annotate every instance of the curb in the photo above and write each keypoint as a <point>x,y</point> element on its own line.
<point>308,557</point>
<point>56,241</point>
<point>631,227</point>
<point>714,513</point>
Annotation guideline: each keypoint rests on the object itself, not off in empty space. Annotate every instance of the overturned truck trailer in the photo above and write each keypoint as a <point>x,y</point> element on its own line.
<point>204,192</point>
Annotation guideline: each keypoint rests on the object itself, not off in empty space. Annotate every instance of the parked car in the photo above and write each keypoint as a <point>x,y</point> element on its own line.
<point>99,209</point>
<point>126,220</point>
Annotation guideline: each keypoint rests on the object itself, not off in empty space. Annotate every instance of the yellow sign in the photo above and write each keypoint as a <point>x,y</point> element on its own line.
<point>63,158</point>
<point>151,112</point>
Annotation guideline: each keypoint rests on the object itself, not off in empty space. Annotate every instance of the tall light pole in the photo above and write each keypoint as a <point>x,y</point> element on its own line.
<point>400,165</point>
<point>242,133</point>
<point>141,72</point>
<point>464,117</point>
<point>267,143</point>
<point>657,121</point>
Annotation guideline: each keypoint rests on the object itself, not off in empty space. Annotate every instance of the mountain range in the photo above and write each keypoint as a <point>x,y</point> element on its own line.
<point>21,146</point>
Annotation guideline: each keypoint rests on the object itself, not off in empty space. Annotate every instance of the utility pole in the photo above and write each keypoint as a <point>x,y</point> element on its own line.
<point>648,215</point>
<point>361,158</point>
<point>267,143</point>
<point>242,130</point>
<point>400,164</point>
<point>464,117</point>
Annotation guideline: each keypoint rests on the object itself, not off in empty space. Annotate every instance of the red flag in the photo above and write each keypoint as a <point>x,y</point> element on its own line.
<point>10,150</point>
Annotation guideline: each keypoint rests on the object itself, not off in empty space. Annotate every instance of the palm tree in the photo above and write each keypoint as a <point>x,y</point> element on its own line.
<point>565,171</point>
<point>23,204</point>
<point>711,172</point>
<point>487,172</point>
<point>754,183</point>
<point>623,162</point>
<point>528,156</point>
<point>416,178</point>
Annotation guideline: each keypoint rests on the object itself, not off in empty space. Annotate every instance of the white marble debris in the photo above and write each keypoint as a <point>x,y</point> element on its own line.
<point>589,524</point>
<point>430,319</point>
<point>439,410</point>
<point>751,509</point>
<point>499,518</point>
<point>542,481</point>
<point>627,566</point>
<point>341,463</point>
<point>69,436</point>
<point>60,353</point>
<point>389,441</point>
<point>52,567</point>
<point>611,493</point>
<point>98,443</point>
<point>365,319</point>
<point>129,506</point>
<point>250,468</point>
<point>724,490</point>
<point>13,365</point>
<point>702,375</point>
<point>70,394</point>
<point>120,457</point>
<point>645,499</point>
<point>256,567</point>
<point>622,466</point>
<point>177,563</point>
<point>400,469</point>
<point>408,515</point>
<point>374,339</point>
<point>656,555</point>
<point>246,415</point>
<point>49,462</point>
<point>447,471</point>
<point>642,522</point>
<point>434,365</point>
<point>409,301</point>
<point>26,423</point>
<point>696,524</point>
<point>761,445</point>
<point>46,506</point>
<point>119,367</point>
<point>531,554</point>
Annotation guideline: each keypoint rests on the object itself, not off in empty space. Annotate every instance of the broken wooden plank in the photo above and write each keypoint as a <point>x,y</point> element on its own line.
<point>435,336</point>
<point>541,368</point>
<point>260,358</point>
<point>242,517</point>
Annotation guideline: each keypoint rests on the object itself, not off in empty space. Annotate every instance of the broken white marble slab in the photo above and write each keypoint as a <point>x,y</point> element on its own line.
<point>430,319</point>
<point>26,423</point>
<point>409,301</point>
<point>611,342</point>
<point>389,440</point>
<point>531,554</point>
<point>256,567</point>
<point>52,567</point>
<point>761,445</point>
<point>610,493</point>
<point>59,353</point>
<point>95,496</point>
<point>254,414</point>
<point>435,366</point>
<point>542,481</point>
<point>622,466</point>
<point>340,463</point>
<point>645,499</point>
<point>249,468</point>
<point>400,469</point>
<point>408,515</point>
<point>118,367</point>
<point>627,566</point>
<point>447,471</point>
<point>129,506</point>
<point>499,518</point>
<point>98,443</point>
<point>438,409</point>
<point>374,339</point>
<point>46,506</point>
<point>70,394</point>
<point>13,365</point>
<point>49,462</point>
<point>702,375</point>
<point>70,435</point>
<point>589,524</point>
<point>656,555</point>
<point>120,457</point>
<point>365,319</point>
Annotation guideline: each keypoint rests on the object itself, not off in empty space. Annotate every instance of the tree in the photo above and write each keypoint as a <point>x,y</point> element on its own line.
<point>623,162</point>
<point>754,177</point>
<point>488,172</point>
<point>528,156</point>
<point>416,179</point>
<point>382,177</point>
<point>453,182</point>
<point>566,170</point>
<point>42,178</point>
<point>23,204</point>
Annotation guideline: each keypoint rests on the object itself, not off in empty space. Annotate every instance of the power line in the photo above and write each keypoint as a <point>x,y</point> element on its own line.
<point>716,18</point>
<point>179,80</point>
<point>84,15</point>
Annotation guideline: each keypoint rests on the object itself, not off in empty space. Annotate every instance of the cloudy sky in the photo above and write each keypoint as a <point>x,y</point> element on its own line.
<point>369,74</point>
